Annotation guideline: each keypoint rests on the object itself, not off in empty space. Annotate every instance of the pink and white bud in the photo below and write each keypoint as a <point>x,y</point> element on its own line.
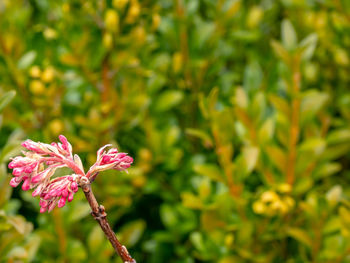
<point>34,146</point>
<point>112,159</point>
<point>15,181</point>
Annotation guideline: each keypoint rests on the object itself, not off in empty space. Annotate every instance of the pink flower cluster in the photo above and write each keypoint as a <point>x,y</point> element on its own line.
<point>112,159</point>
<point>38,165</point>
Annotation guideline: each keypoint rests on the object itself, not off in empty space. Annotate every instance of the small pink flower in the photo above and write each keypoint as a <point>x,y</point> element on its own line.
<point>38,165</point>
<point>112,159</point>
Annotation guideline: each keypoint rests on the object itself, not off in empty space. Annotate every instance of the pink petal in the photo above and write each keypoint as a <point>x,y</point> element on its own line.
<point>100,151</point>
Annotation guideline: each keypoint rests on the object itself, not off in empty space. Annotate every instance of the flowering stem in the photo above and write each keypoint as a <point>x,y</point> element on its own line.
<point>39,164</point>
<point>98,212</point>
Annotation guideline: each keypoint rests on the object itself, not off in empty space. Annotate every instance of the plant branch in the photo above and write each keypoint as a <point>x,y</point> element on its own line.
<point>294,128</point>
<point>100,215</point>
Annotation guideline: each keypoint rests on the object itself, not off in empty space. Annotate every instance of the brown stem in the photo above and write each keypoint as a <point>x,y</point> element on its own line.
<point>100,215</point>
<point>294,129</point>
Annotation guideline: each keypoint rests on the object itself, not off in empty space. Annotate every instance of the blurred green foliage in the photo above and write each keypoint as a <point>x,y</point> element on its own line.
<point>237,114</point>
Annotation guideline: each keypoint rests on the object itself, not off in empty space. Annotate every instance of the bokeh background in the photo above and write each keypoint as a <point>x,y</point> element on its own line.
<point>236,112</point>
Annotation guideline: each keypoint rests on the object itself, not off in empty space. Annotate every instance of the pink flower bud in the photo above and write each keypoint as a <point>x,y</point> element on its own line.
<point>47,197</point>
<point>106,159</point>
<point>36,179</point>
<point>62,202</point>
<point>70,197</point>
<point>14,182</point>
<point>25,185</point>
<point>43,203</point>
<point>51,206</point>
<point>43,209</point>
<point>33,146</point>
<point>17,171</point>
<point>74,187</point>
<point>64,141</point>
<point>64,193</point>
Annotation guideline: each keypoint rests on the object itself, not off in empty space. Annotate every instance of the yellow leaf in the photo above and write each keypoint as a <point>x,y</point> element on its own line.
<point>191,201</point>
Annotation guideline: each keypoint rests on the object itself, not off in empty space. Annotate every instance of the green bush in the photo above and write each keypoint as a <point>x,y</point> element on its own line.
<point>237,114</point>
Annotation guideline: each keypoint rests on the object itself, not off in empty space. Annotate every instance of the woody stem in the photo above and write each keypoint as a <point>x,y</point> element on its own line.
<point>98,212</point>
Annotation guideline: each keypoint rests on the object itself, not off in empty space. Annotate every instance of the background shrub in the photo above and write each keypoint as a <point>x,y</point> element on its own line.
<point>237,114</point>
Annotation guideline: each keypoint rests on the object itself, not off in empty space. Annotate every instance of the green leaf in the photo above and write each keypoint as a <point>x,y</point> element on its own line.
<point>6,99</point>
<point>18,253</point>
<point>32,246</point>
<point>5,190</point>
<point>280,104</point>
<point>300,235</point>
<point>334,194</point>
<point>156,82</point>
<point>76,251</point>
<point>344,215</point>
<point>81,210</point>
<point>191,201</point>
<point>20,224</point>
<point>277,156</point>
<point>338,136</point>
<point>9,150</point>
<point>336,151</point>
<point>197,241</point>
<point>312,102</point>
<point>203,32</point>
<point>258,107</point>
<point>210,170</point>
<point>206,139</point>
<point>289,36</point>
<point>303,185</point>
<point>332,225</point>
<point>169,99</point>
<point>171,136</point>
<point>95,239</point>
<point>131,233</point>
<point>308,46</point>
<point>27,59</point>
<point>280,51</point>
<point>168,215</point>
<point>252,76</point>
<point>250,155</point>
<point>266,131</point>
<point>212,100</point>
<point>326,169</point>
<point>313,145</point>
<point>240,98</point>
